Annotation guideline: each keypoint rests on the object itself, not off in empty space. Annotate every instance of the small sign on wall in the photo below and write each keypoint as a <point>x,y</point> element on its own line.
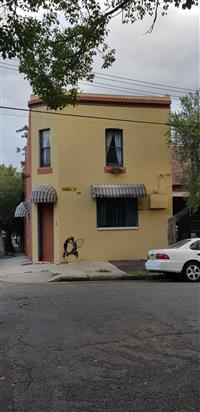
<point>69,188</point>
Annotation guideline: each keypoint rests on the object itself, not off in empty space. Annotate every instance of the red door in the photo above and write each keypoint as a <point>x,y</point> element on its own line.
<point>28,237</point>
<point>46,238</point>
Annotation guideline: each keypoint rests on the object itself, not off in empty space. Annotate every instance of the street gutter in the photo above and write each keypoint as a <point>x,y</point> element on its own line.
<point>93,277</point>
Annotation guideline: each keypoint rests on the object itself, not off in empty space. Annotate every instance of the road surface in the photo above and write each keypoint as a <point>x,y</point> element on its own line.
<point>129,346</point>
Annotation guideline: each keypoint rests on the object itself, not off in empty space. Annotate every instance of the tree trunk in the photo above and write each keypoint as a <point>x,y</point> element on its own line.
<point>172,222</point>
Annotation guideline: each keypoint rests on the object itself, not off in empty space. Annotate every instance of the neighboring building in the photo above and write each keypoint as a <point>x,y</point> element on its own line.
<point>101,172</point>
<point>187,225</point>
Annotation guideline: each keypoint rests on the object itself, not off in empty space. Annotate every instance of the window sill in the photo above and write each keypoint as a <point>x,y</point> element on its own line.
<point>118,228</point>
<point>115,169</point>
<point>44,170</point>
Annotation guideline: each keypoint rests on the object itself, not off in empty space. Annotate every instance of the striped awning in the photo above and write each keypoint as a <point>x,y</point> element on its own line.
<point>23,209</point>
<point>43,194</point>
<point>137,190</point>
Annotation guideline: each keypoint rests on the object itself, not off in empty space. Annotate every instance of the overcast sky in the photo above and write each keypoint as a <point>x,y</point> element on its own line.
<point>169,55</point>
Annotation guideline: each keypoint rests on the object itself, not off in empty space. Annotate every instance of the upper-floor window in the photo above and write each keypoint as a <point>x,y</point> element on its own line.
<point>45,148</point>
<point>114,147</point>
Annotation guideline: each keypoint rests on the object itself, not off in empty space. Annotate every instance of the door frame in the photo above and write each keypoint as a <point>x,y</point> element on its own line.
<point>39,211</point>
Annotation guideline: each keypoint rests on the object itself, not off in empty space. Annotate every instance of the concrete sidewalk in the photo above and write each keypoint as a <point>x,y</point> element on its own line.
<point>20,269</point>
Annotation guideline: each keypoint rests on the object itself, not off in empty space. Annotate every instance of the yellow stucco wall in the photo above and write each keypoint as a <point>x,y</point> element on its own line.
<point>78,159</point>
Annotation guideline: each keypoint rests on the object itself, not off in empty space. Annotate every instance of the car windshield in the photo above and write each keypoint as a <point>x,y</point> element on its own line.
<point>179,244</point>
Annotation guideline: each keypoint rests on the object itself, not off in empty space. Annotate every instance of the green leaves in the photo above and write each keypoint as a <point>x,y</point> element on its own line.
<point>11,195</point>
<point>56,41</point>
<point>185,140</point>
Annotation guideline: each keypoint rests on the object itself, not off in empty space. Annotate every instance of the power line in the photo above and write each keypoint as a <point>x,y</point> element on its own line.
<point>8,68</point>
<point>106,77</point>
<point>138,85</point>
<point>89,117</point>
<point>25,116</point>
<point>145,82</point>
<point>121,88</point>
<point>12,59</point>
<point>111,87</point>
<point>56,118</point>
<point>9,64</point>
<point>84,116</point>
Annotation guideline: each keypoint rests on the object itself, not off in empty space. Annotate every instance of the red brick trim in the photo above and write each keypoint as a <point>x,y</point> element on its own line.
<point>44,170</point>
<point>106,100</point>
<point>123,101</point>
<point>114,169</point>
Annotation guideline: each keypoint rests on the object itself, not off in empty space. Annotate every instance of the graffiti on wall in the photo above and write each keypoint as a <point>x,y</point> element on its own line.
<point>71,246</point>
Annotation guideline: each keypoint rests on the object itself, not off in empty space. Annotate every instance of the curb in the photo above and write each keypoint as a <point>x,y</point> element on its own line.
<point>90,278</point>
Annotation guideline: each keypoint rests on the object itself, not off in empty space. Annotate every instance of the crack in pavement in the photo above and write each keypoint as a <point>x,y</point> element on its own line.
<point>121,341</point>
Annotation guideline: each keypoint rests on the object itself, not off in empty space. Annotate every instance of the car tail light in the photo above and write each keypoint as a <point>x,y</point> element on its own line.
<point>162,256</point>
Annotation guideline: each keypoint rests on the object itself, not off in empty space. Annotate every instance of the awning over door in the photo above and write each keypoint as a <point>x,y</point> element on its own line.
<point>23,209</point>
<point>43,194</point>
<point>129,190</point>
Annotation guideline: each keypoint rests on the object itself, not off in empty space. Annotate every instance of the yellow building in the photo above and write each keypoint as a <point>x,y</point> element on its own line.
<point>99,172</point>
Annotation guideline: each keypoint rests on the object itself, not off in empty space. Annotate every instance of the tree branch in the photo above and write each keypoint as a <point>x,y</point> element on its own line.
<point>155,18</point>
<point>120,6</point>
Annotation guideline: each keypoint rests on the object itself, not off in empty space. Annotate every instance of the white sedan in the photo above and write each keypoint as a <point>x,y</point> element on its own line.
<point>182,257</point>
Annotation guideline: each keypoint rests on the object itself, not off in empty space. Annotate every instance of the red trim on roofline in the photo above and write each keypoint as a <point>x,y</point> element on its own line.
<point>109,100</point>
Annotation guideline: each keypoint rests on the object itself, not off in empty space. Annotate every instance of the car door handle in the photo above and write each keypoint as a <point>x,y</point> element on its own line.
<point>198,254</point>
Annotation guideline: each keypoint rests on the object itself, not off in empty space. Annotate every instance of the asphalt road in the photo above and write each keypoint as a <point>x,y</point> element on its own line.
<point>100,346</point>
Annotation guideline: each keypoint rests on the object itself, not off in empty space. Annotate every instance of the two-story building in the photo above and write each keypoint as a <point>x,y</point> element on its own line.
<point>99,172</point>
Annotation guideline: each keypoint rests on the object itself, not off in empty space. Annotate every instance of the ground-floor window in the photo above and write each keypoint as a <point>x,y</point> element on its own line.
<point>118,212</point>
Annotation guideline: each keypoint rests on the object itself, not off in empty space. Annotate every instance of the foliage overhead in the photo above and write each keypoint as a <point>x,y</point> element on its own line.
<point>185,140</point>
<point>11,195</point>
<point>24,135</point>
<point>56,41</point>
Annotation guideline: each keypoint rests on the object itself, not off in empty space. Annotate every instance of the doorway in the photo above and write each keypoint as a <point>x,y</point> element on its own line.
<point>45,232</point>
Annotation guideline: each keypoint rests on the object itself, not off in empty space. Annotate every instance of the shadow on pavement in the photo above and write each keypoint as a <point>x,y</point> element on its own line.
<point>129,266</point>
<point>138,267</point>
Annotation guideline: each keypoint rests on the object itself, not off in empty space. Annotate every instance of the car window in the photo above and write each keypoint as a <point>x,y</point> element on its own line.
<point>179,244</point>
<point>195,245</point>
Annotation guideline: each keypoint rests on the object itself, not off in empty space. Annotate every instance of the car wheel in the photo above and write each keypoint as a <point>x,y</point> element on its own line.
<point>191,271</point>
